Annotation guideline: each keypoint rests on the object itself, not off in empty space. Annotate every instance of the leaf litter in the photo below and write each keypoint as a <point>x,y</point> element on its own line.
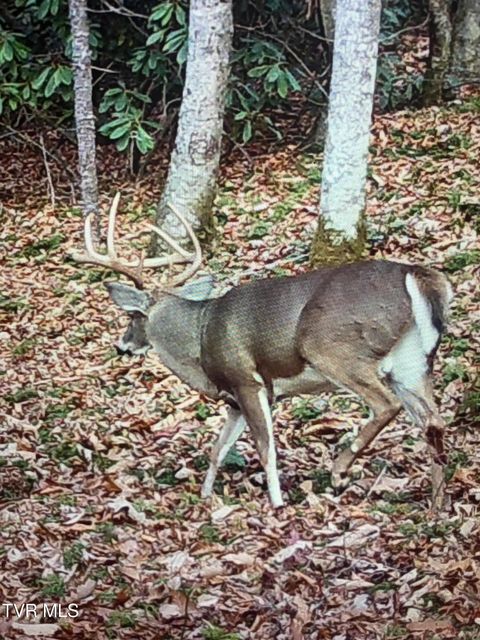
<point>102,458</point>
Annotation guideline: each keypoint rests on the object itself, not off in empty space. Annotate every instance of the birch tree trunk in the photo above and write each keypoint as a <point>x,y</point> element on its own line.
<point>440,48</point>
<point>465,60</point>
<point>84,118</point>
<point>339,235</point>
<point>193,171</point>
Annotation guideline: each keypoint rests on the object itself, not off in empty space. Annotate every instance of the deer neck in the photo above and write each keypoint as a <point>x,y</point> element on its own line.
<point>174,330</point>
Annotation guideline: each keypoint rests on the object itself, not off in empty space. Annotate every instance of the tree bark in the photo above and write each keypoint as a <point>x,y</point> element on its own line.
<point>327,11</point>
<point>440,48</point>
<point>465,60</point>
<point>339,235</point>
<point>193,171</point>
<point>84,117</point>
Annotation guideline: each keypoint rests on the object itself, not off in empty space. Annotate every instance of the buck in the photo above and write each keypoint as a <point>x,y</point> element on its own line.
<point>371,328</point>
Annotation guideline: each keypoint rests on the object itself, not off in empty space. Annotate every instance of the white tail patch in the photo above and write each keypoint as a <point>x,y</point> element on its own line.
<point>422,315</point>
<point>407,362</point>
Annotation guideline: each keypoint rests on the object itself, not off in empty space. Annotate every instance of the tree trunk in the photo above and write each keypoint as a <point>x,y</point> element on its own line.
<point>327,11</point>
<point>192,175</point>
<point>465,60</point>
<point>440,47</point>
<point>84,118</point>
<point>339,236</point>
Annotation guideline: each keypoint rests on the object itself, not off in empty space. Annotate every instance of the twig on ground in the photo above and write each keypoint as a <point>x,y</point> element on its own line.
<point>51,189</point>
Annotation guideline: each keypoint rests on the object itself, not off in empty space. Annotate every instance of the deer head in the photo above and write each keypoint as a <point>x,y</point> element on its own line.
<point>134,300</point>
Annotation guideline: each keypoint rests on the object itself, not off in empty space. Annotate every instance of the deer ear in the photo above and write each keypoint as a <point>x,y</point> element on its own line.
<point>129,298</point>
<point>200,289</point>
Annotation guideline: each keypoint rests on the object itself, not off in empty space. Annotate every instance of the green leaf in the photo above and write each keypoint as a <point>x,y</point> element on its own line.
<point>7,51</point>
<point>155,37</point>
<point>167,16</point>
<point>282,86</point>
<point>52,84</point>
<point>160,11</point>
<point>119,132</point>
<point>273,74</point>
<point>43,9</point>
<point>144,141</point>
<point>257,72</point>
<point>292,81</point>
<point>39,80</point>
<point>65,75</point>
<point>247,131</point>
<point>122,144</point>
<point>174,40</point>
<point>241,115</point>
<point>180,15</point>
<point>182,53</point>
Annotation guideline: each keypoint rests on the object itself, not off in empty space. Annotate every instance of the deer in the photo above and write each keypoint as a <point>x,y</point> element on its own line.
<point>369,327</point>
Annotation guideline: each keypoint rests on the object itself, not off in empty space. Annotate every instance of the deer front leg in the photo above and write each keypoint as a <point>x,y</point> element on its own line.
<point>231,431</point>
<point>253,400</point>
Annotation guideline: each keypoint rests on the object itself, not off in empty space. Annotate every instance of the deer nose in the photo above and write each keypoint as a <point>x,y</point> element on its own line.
<point>121,351</point>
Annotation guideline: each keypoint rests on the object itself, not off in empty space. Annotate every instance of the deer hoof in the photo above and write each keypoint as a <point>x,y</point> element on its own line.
<point>340,480</point>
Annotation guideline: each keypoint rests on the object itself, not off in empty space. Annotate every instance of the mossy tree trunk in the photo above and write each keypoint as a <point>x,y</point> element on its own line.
<point>193,171</point>
<point>84,116</point>
<point>440,48</point>
<point>465,59</point>
<point>340,235</point>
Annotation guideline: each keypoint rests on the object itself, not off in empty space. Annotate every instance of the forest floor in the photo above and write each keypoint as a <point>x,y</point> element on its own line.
<point>102,457</point>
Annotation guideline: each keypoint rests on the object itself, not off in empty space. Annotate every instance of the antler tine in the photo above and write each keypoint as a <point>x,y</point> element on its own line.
<point>132,270</point>
<point>111,227</point>
<point>197,257</point>
<point>169,240</point>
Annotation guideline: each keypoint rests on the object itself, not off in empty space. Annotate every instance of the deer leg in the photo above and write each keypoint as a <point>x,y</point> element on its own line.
<point>385,407</point>
<point>231,431</point>
<point>360,378</point>
<point>420,404</point>
<point>253,400</point>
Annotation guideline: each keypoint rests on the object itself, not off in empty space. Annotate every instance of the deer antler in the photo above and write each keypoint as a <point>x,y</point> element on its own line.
<point>196,258</point>
<point>133,270</point>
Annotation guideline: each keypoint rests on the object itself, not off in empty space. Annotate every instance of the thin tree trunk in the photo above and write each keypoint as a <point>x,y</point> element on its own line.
<point>84,117</point>
<point>339,237</point>
<point>193,171</point>
<point>440,47</point>
<point>465,60</point>
<point>327,10</point>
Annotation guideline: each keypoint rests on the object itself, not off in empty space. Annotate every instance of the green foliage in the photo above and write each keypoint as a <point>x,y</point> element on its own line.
<point>213,632</point>
<point>234,460</point>
<point>202,411</point>
<point>262,79</point>
<point>462,260</point>
<point>53,586</point>
<point>73,555</point>
<point>305,410</point>
<point>139,58</point>
<point>397,86</point>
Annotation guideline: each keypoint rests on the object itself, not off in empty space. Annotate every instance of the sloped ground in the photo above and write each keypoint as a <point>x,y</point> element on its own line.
<point>102,457</point>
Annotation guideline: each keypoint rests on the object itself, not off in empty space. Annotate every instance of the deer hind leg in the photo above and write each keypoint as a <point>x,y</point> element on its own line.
<point>360,377</point>
<point>419,402</point>
<point>384,407</point>
<point>231,431</point>
<point>254,403</point>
